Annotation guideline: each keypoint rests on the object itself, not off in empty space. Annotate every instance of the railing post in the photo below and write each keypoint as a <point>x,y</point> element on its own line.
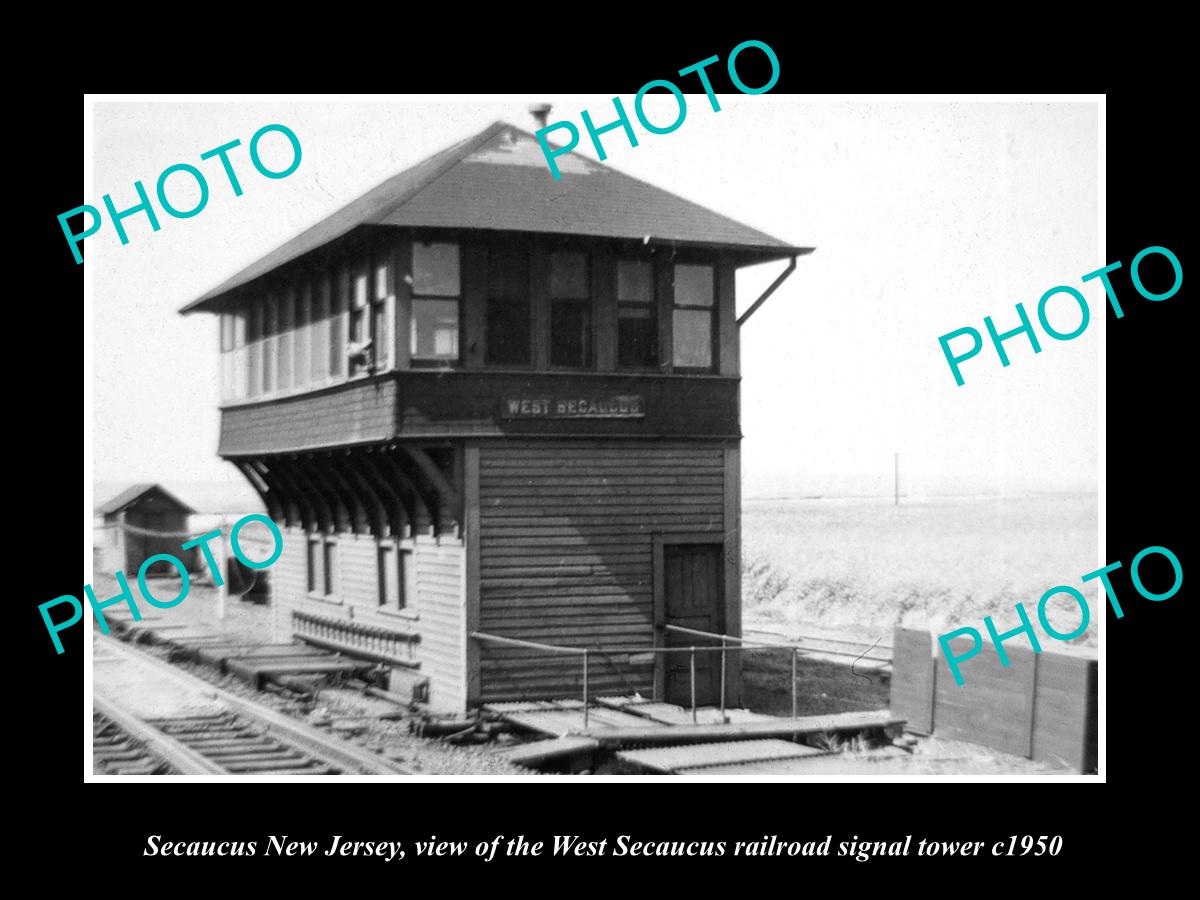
<point>692,657</point>
<point>724,653</point>
<point>794,708</point>
<point>585,689</point>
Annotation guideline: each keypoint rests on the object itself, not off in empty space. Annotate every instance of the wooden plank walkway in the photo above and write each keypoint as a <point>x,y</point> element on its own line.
<point>556,718</point>
<point>670,714</point>
<point>696,757</point>
<point>656,733</point>
<point>623,722</point>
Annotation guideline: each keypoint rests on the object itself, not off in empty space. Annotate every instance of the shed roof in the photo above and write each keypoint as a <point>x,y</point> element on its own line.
<point>498,180</point>
<point>135,492</point>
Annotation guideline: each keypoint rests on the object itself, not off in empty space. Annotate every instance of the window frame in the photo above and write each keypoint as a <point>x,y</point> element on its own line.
<point>588,303</point>
<point>434,362</point>
<point>652,305</point>
<point>489,297</point>
<point>712,309</point>
<point>403,556</point>
<point>322,582</point>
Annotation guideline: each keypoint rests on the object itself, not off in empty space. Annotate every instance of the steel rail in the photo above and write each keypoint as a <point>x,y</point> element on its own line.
<point>304,737</point>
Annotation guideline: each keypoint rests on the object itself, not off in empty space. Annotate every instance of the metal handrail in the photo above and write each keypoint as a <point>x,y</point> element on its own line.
<point>724,649</point>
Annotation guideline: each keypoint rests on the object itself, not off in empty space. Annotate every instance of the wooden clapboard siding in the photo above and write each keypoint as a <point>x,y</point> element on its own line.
<point>289,575</point>
<point>566,537</point>
<point>441,605</point>
<point>467,403</point>
<point>357,580</point>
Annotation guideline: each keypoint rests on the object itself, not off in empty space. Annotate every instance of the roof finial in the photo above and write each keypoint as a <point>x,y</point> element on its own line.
<point>540,112</point>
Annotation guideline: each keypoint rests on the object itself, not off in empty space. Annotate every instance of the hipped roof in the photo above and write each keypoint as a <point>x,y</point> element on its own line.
<point>499,180</point>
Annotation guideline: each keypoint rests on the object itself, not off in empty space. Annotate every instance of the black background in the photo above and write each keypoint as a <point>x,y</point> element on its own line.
<point>104,826</point>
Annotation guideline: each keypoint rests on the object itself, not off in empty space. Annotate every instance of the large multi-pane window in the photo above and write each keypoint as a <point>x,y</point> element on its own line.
<point>692,321</point>
<point>637,322</point>
<point>436,292</point>
<point>508,307</point>
<point>570,310</point>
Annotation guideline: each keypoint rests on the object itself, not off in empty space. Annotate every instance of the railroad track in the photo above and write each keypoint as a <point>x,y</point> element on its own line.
<point>150,718</point>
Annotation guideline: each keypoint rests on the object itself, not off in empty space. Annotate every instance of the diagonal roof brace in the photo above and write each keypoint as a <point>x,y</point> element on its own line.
<point>791,267</point>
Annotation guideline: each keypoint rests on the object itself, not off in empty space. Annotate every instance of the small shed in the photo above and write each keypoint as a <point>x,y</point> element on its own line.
<point>137,523</point>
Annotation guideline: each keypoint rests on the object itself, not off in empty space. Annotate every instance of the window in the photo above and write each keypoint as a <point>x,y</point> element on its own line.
<point>570,310</point>
<point>322,310</point>
<point>329,566</point>
<point>637,324</point>
<point>286,324</point>
<point>303,341</point>
<point>270,343</point>
<point>337,325</point>
<point>397,582</point>
<point>692,323</point>
<point>383,303</point>
<point>360,322</point>
<point>315,560</point>
<point>436,290</point>
<point>508,307</point>
<point>322,566</point>
<point>254,332</point>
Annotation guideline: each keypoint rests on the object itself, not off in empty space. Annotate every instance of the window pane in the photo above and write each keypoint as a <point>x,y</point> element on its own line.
<point>637,337</point>
<point>285,361</point>
<point>635,281</point>
<point>301,374</point>
<point>435,269</point>
<point>239,328</point>
<point>570,333</point>
<point>383,335</point>
<point>255,368</point>
<point>226,332</point>
<point>329,567</point>
<point>389,577</point>
<point>508,331</point>
<point>361,282</point>
<point>314,566</point>
<point>337,327</point>
<point>693,285</point>
<point>320,329</point>
<point>508,272</point>
<point>435,329</point>
<point>569,276</point>
<point>383,278</point>
<point>693,338</point>
<point>254,330</point>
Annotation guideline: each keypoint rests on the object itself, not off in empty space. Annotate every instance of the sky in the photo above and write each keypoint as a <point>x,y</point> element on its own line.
<point>925,218</point>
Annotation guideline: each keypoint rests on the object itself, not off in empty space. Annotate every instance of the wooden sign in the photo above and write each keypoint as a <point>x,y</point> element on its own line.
<point>623,406</point>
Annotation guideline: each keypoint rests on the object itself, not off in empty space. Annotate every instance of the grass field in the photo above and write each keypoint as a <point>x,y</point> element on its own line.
<point>866,565</point>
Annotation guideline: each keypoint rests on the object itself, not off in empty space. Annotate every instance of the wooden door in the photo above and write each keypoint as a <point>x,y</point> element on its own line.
<point>693,598</point>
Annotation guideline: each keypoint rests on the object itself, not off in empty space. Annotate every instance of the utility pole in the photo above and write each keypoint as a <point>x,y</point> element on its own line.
<point>896,460</point>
